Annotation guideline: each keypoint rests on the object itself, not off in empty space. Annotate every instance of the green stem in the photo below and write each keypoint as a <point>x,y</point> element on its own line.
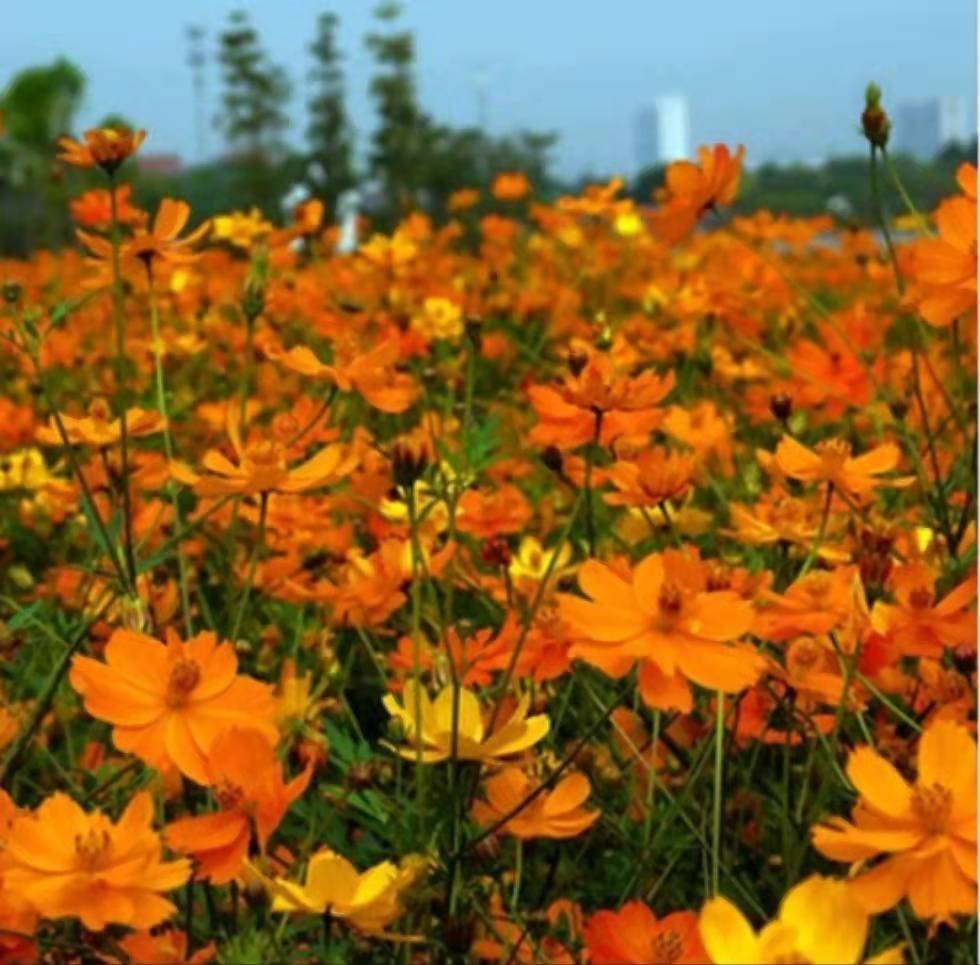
<point>883,220</point>
<point>47,695</point>
<point>119,319</point>
<point>185,599</point>
<point>252,564</point>
<point>420,777</point>
<point>718,791</point>
<point>904,195</point>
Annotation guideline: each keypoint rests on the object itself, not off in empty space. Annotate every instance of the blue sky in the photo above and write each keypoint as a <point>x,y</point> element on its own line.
<point>785,77</point>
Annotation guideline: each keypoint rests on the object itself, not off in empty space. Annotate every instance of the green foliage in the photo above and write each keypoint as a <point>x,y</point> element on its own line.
<point>39,103</point>
<point>404,133</point>
<point>329,137</point>
<point>255,94</point>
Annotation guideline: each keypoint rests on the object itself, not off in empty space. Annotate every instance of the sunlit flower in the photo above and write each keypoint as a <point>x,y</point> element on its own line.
<point>68,863</point>
<point>168,703</point>
<point>819,921</point>
<point>662,614</point>
<point>926,834</point>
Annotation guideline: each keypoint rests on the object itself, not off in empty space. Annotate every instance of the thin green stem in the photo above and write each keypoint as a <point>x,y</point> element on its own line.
<point>168,446</point>
<point>719,791</point>
<point>252,565</point>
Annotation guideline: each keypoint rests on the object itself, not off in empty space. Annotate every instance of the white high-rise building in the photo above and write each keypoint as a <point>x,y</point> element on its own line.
<point>924,128</point>
<point>662,132</point>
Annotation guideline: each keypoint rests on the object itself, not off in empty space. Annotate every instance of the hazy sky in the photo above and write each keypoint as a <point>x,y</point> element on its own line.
<point>785,77</point>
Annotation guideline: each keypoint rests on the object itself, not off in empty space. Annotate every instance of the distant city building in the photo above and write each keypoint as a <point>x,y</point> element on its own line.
<point>167,164</point>
<point>662,132</point>
<point>924,128</point>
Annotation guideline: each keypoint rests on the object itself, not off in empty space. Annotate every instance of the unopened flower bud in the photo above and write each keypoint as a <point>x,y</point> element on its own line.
<point>874,121</point>
<point>781,406</point>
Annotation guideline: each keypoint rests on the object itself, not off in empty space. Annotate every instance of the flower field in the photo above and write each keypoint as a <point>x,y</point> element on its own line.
<point>559,582</point>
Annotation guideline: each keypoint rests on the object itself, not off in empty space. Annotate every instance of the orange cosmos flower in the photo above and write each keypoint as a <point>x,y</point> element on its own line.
<point>491,514</point>
<point>163,239</point>
<point>926,834</point>
<point>635,936</point>
<point>831,462</point>
<point>594,402</point>
<point>705,430</point>
<point>70,864</point>
<point>138,253</point>
<point>654,477</point>
<point>663,614</point>
<point>556,813</point>
<point>462,199</point>
<point>692,189</point>
<point>510,186</point>
<point>262,468</point>
<point>105,147</point>
<point>944,269</point>
<point>99,429</point>
<point>163,948</point>
<point>18,919</point>
<point>246,779</point>
<point>370,373</point>
<point>918,626</point>
<point>816,603</point>
<point>168,703</point>
<point>93,209</point>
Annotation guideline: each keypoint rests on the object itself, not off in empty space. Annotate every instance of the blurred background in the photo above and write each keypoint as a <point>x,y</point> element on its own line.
<point>386,107</point>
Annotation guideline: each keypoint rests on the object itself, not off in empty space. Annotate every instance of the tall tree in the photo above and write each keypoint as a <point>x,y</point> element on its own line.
<point>255,94</point>
<point>37,106</point>
<point>329,136</point>
<point>403,134</point>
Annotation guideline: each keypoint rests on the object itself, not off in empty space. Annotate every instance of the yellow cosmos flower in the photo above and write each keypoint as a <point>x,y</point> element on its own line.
<point>516,734</point>
<point>367,900</point>
<point>819,922</point>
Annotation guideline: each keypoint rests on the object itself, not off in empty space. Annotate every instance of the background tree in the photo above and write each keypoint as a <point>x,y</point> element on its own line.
<point>329,136</point>
<point>254,99</point>
<point>38,105</point>
<point>403,135</point>
<point>256,91</point>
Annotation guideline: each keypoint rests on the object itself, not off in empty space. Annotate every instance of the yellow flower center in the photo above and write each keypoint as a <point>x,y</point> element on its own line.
<point>932,805</point>
<point>185,675</point>
<point>667,948</point>
<point>790,958</point>
<point>92,847</point>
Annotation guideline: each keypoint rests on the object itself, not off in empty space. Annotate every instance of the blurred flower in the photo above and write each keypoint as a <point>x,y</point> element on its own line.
<point>105,147</point>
